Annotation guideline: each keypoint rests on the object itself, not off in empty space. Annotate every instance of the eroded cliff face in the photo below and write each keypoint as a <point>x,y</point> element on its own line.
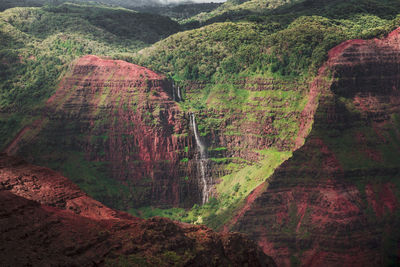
<point>336,201</point>
<point>117,130</point>
<point>261,114</point>
<point>115,121</point>
<point>48,221</point>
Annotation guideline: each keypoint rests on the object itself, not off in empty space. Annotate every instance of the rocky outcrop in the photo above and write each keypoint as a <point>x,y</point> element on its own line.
<point>335,202</point>
<point>45,220</point>
<point>121,120</point>
<point>115,130</point>
<point>49,188</point>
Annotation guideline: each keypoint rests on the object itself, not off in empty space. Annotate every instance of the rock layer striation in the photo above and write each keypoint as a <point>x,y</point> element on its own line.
<point>336,201</point>
<point>46,220</point>
<point>117,121</point>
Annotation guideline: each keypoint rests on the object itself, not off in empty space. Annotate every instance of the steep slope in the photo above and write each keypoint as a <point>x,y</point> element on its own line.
<point>128,24</point>
<point>38,45</point>
<point>117,124</point>
<point>49,188</point>
<point>336,201</point>
<point>20,3</point>
<point>248,84</point>
<point>70,229</point>
<point>241,90</point>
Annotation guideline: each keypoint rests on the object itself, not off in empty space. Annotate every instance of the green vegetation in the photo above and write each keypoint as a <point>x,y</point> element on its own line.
<point>250,69</point>
<point>231,194</point>
<point>233,50</point>
<point>37,3</point>
<point>148,212</point>
<point>180,12</point>
<point>288,48</point>
<point>285,11</point>
<point>121,22</point>
<point>93,179</point>
<point>5,4</point>
<point>286,45</point>
<point>235,187</point>
<point>219,148</point>
<point>38,44</point>
<point>237,9</point>
<point>198,53</point>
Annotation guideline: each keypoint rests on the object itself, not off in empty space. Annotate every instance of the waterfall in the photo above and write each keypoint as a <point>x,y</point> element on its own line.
<point>200,145</point>
<point>202,162</point>
<point>179,94</point>
<point>174,91</point>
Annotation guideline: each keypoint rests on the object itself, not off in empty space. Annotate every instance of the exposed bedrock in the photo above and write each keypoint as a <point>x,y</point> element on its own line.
<point>49,188</point>
<point>336,201</point>
<point>118,118</point>
<point>114,129</point>
<point>46,220</point>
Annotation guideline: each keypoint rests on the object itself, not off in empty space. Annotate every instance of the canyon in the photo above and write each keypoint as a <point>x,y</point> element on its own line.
<point>306,165</point>
<point>114,128</point>
<point>47,220</point>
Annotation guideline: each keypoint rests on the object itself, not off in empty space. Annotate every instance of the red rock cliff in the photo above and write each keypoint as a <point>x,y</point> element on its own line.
<point>336,201</point>
<point>113,121</point>
<point>45,220</point>
<point>121,117</point>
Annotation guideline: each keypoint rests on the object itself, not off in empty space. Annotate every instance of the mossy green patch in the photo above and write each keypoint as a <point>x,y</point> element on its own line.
<point>93,178</point>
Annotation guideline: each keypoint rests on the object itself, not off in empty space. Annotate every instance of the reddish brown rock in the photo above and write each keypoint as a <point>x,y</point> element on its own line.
<point>122,117</point>
<point>49,188</point>
<point>39,228</point>
<point>336,201</point>
<point>117,123</point>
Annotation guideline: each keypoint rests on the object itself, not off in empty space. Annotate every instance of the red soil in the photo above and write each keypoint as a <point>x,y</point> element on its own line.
<point>47,221</point>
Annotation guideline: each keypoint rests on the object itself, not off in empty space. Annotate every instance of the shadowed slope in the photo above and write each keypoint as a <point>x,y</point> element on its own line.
<point>70,229</point>
<point>336,201</point>
<point>113,128</point>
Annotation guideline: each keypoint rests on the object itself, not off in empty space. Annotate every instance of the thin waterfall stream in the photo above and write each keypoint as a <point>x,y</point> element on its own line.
<point>202,162</point>
<point>179,94</point>
<point>176,90</point>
